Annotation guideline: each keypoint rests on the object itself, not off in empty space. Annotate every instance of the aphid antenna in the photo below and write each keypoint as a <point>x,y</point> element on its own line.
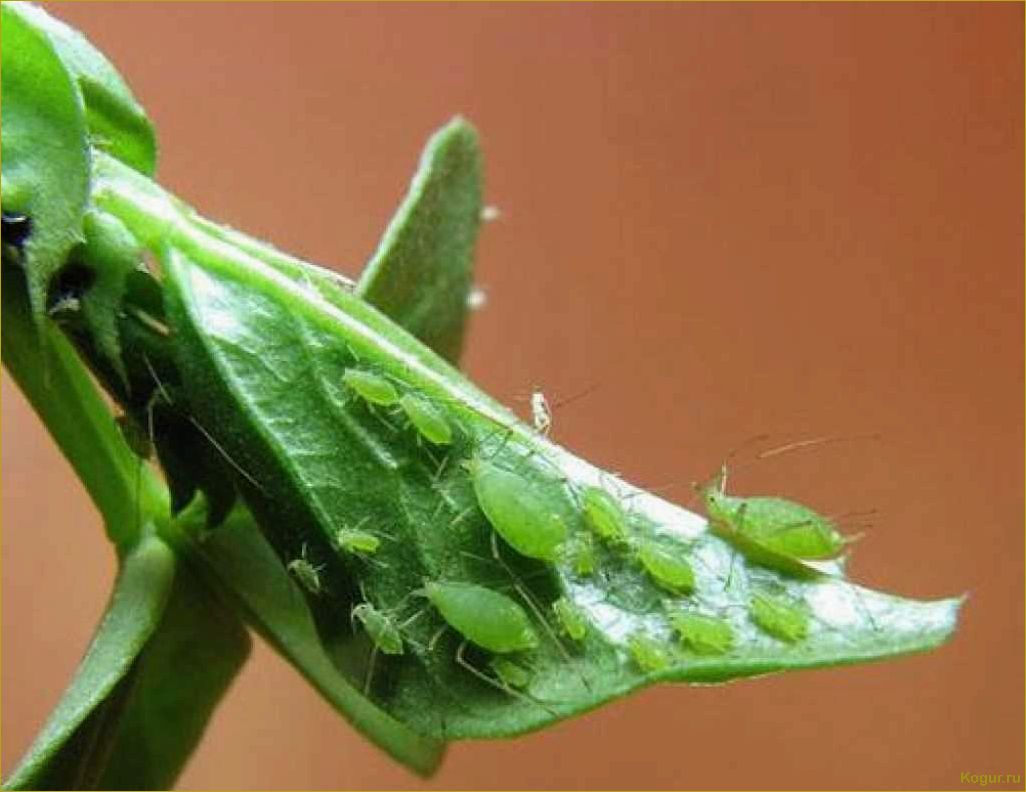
<point>799,445</point>
<point>497,684</point>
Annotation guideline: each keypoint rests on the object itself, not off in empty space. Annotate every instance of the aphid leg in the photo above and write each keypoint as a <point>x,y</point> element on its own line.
<point>526,596</point>
<point>498,684</point>
<point>368,678</point>
<point>433,640</point>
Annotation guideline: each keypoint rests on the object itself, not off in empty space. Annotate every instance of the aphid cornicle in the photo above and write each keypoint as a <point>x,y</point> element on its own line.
<point>523,513</point>
<point>667,568</point>
<point>380,628</point>
<point>372,388</point>
<point>426,419</point>
<point>706,635</point>
<point>780,618</point>
<point>484,617</point>
<point>647,653</point>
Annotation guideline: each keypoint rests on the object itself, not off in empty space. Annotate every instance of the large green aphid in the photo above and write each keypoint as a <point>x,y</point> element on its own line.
<point>772,531</point>
<point>667,567</point>
<point>371,387</point>
<point>527,515</point>
<point>604,515</point>
<point>382,629</point>
<point>705,635</point>
<point>426,419</point>
<point>779,617</point>
<point>484,617</point>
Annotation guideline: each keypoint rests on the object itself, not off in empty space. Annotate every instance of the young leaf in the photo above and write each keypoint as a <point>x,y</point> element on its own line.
<point>59,755</point>
<point>181,675</point>
<point>269,358</point>
<point>117,123</point>
<point>45,157</point>
<point>420,274</point>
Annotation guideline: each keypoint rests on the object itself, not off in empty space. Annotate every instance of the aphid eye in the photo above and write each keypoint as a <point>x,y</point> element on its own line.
<point>484,617</point>
<point>370,387</point>
<point>667,568</point>
<point>706,635</point>
<point>426,419</point>
<point>647,653</point>
<point>779,617</point>
<point>522,512</point>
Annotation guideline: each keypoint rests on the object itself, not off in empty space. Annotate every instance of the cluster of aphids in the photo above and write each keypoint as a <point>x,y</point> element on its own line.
<point>532,521</point>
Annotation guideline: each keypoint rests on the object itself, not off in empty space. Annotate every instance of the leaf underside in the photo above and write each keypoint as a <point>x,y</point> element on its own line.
<point>321,458</point>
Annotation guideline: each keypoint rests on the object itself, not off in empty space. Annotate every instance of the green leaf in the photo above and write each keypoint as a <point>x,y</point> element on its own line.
<point>420,275</point>
<point>265,361</point>
<point>71,407</point>
<point>243,563</point>
<point>182,674</point>
<point>73,744</point>
<point>45,157</point>
<point>117,122</point>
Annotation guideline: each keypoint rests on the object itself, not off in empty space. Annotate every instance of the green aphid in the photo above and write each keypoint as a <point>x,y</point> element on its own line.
<point>667,568</point>
<point>427,419</point>
<point>571,619</point>
<point>604,516</point>
<point>484,617</point>
<point>525,514</point>
<point>705,635</point>
<point>357,542</point>
<point>308,575</point>
<point>647,653</point>
<point>509,673</point>
<point>779,617</point>
<point>579,552</point>
<point>382,631</point>
<point>372,388</point>
<point>775,532</point>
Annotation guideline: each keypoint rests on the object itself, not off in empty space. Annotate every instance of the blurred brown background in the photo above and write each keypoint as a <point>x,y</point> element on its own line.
<point>730,219</point>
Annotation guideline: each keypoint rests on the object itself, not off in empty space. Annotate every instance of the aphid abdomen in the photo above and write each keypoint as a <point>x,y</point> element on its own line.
<point>484,617</point>
<point>380,628</point>
<point>790,528</point>
<point>525,514</point>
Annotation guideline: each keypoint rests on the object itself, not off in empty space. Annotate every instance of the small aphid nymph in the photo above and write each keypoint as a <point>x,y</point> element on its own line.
<point>380,628</point>
<point>647,653</point>
<point>667,568</point>
<point>484,617</point>
<point>579,553</point>
<point>541,414</point>
<point>372,388</point>
<point>509,673</point>
<point>356,542</point>
<point>604,516</point>
<point>780,618</point>
<point>308,575</point>
<point>426,419</point>
<point>705,635</point>
<point>522,512</point>
<point>571,619</point>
